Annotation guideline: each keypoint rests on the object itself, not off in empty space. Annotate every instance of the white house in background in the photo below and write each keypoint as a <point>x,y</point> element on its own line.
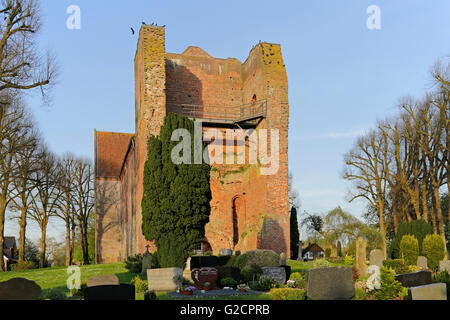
<point>312,252</point>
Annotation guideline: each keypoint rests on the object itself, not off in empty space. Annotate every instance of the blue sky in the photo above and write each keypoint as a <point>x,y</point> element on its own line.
<point>342,76</point>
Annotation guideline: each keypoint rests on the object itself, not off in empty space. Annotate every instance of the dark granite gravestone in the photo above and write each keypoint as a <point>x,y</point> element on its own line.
<point>146,262</point>
<point>278,273</point>
<point>203,275</point>
<point>204,262</point>
<point>415,279</point>
<point>334,283</point>
<point>287,269</point>
<point>19,289</point>
<point>110,292</point>
<point>228,272</point>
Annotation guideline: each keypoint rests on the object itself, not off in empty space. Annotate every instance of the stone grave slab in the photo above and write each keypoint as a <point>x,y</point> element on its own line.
<point>163,279</point>
<point>333,283</point>
<point>103,280</point>
<point>444,265</point>
<point>278,273</point>
<point>376,258</point>
<point>225,252</point>
<point>422,262</point>
<point>435,291</point>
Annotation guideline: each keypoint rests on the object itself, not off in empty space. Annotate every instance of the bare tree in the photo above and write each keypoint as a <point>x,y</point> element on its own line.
<point>294,200</point>
<point>21,66</point>
<point>23,185</point>
<point>44,199</point>
<point>366,166</point>
<point>13,124</point>
<point>84,201</point>
<point>66,202</point>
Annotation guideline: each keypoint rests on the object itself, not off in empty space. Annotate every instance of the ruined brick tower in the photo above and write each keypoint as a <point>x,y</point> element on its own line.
<point>249,210</point>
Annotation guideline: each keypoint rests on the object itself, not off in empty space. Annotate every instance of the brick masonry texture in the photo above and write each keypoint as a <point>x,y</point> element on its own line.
<point>248,210</point>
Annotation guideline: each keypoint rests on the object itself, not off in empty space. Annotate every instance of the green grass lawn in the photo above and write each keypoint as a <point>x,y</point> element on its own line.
<point>55,278</point>
<point>303,267</point>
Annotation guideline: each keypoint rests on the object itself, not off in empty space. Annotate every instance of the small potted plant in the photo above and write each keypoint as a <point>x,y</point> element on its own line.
<point>187,291</point>
<point>242,287</point>
<point>290,284</point>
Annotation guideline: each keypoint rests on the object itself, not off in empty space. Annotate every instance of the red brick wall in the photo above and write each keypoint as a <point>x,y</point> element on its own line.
<point>150,80</point>
<point>248,210</point>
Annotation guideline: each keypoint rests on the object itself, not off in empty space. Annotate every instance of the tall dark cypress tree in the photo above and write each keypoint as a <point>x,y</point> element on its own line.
<point>295,236</point>
<point>176,201</point>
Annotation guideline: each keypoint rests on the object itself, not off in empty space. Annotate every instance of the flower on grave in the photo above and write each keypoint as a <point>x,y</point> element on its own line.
<point>242,286</point>
<point>189,288</point>
<point>290,284</point>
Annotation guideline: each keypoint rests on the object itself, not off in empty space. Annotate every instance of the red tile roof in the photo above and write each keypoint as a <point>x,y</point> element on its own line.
<point>110,150</point>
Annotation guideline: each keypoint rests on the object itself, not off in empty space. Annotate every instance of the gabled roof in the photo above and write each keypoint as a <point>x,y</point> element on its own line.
<point>313,248</point>
<point>110,150</point>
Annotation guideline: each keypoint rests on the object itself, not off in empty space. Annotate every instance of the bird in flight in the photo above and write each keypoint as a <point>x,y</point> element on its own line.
<point>132,30</point>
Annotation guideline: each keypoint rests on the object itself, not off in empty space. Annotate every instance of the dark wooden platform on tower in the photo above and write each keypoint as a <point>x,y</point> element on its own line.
<point>248,114</point>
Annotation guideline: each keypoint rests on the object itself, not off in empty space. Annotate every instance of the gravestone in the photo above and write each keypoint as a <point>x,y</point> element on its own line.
<point>435,291</point>
<point>287,269</point>
<point>444,265</point>
<point>282,259</point>
<point>360,256</point>
<point>146,262</point>
<point>278,273</point>
<point>333,283</point>
<point>203,275</point>
<point>225,252</point>
<point>414,279</point>
<point>300,253</point>
<point>422,262</point>
<point>19,289</point>
<point>110,292</point>
<point>163,279</point>
<point>376,258</point>
<point>187,269</point>
<point>104,280</point>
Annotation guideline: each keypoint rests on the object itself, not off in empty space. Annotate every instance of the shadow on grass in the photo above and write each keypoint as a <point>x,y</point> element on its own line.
<point>56,293</point>
<point>126,277</point>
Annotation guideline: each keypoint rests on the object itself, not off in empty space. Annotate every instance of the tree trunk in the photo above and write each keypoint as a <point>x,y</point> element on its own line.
<point>85,245</point>
<point>68,251</point>
<point>440,219</point>
<point>382,229</point>
<point>72,242</point>
<point>22,233</point>
<point>43,246</point>
<point>424,202</point>
<point>2,230</point>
